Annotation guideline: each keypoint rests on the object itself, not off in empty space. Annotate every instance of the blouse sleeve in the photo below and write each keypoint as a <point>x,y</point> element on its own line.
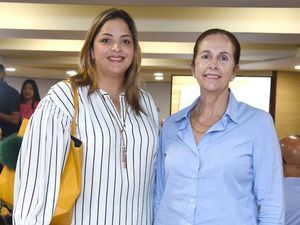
<point>268,175</point>
<point>42,157</point>
<point>150,107</point>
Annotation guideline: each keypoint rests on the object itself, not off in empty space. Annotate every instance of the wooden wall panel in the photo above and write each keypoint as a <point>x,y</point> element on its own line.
<point>287,112</point>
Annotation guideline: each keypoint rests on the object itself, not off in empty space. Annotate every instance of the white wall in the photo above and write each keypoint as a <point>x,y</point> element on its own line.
<point>161,92</point>
<point>43,84</point>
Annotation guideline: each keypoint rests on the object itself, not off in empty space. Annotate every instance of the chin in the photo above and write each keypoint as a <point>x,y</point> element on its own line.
<point>119,72</point>
<point>210,87</point>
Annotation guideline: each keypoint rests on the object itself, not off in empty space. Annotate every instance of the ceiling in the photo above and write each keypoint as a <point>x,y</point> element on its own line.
<point>43,38</point>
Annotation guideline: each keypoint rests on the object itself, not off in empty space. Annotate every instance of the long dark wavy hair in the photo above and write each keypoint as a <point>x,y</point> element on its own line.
<point>36,95</point>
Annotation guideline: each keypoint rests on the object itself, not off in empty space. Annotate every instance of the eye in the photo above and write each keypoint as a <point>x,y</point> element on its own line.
<point>205,56</point>
<point>127,41</point>
<point>223,58</point>
<point>105,40</point>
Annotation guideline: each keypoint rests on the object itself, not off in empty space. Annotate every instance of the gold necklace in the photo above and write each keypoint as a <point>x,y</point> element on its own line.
<point>123,139</point>
<point>194,116</point>
<point>202,124</point>
<point>196,130</point>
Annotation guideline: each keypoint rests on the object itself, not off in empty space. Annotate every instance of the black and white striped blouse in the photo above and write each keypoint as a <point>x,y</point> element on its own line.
<point>111,194</point>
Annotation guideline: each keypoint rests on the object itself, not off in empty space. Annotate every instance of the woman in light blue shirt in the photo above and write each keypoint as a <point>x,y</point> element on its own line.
<point>219,161</point>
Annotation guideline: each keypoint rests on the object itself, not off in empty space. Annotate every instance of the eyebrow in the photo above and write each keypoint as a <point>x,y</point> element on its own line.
<point>207,51</point>
<point>204,51</point>
<point>226,53</point>
<point>108,34</point>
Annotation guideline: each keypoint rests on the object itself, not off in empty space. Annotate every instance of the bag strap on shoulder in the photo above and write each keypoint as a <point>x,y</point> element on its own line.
<point>75,100</point>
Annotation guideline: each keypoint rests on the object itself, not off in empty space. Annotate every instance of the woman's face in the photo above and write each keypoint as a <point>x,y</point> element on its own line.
<point>113,49</point>
<point>28,92</point>
<point>214,64</point>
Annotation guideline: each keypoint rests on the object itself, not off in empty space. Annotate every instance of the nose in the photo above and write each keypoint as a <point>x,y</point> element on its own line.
<point>116,47</point>
<point>213,64</point>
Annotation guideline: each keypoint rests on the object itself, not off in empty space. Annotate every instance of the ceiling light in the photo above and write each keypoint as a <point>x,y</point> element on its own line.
<point>71,72</point>
<point>297,67</point>
<point>158,74</point>
<point>10,69</point>
<point>159,78</point>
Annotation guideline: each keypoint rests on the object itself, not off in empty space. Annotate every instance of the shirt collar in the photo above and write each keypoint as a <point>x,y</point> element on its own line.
<point>182,117</point>
<point>103,92</point>
<point>231,111</point>
<point>232,108</point>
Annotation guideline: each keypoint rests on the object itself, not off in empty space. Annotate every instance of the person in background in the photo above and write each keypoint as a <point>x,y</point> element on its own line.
<point>9,107</point>
<point>117,123</point>
<point>30,98</point>
<point>219,160</point>
<point>290,148</point>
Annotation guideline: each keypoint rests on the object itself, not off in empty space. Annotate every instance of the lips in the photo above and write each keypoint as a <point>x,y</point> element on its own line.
<point>212,76</point>
<point>116,59</point>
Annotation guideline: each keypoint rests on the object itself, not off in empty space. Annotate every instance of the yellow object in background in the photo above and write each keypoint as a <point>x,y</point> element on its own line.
<point>70,184</point>
<point>7,177</point>
<point>23,127</point>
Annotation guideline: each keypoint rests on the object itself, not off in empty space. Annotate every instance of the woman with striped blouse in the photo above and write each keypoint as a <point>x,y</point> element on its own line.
<point>117,124</point>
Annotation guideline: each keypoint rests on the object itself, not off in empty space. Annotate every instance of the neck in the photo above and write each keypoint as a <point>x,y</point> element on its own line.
<point>212,106</point>
<point>113,86</point>
<point>28,101</point>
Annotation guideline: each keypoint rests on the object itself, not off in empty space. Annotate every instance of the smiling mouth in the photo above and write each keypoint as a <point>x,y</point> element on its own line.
<point>212,76</point>
<point>116,58</point>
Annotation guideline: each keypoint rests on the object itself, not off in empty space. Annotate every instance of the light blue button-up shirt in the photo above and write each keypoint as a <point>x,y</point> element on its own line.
<point>233,176</point>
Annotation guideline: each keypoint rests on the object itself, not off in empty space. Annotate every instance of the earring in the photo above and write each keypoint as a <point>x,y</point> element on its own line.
<point>194,75</point>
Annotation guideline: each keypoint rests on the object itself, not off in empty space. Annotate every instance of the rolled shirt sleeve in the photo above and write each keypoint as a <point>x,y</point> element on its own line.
<point>268,175</point>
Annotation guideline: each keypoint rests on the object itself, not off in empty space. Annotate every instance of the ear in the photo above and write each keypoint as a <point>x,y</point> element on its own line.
<point>236,70</point>
<point>193,70</point>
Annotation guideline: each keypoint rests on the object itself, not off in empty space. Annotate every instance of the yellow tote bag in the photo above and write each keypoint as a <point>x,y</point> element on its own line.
<point>70,184</point>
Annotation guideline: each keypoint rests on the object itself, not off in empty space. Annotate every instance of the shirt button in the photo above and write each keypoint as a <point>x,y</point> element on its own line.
<point>192,200</point>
